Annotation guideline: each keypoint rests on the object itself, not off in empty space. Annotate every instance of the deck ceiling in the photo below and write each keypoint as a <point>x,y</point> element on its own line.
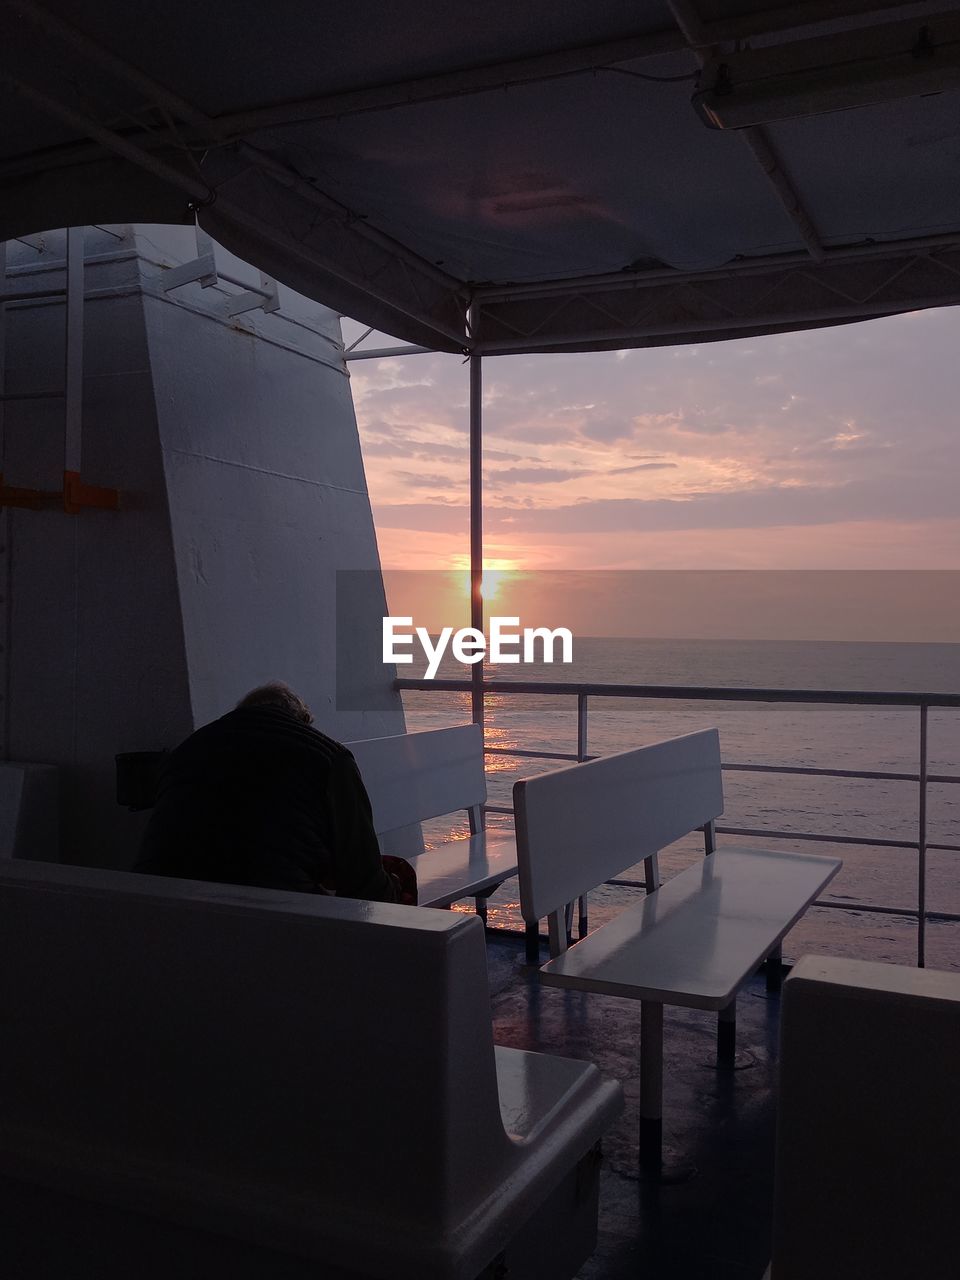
<point>510,175</point>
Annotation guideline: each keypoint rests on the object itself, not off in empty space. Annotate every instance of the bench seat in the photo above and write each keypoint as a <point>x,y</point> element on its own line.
<point>269,1085</point>
<point>702,934</point>
<point>413,777</point>
<point>464,868</point>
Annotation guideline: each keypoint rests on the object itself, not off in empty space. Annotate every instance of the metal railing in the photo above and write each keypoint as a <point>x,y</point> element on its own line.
<point>697,693</point>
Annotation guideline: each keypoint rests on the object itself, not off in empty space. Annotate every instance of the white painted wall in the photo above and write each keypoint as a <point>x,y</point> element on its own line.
<point>235,446</point>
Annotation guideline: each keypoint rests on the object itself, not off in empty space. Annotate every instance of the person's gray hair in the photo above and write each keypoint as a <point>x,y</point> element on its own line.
<point>279,695</point>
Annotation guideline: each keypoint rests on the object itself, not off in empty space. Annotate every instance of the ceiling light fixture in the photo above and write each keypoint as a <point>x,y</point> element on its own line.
<point>830,73</point>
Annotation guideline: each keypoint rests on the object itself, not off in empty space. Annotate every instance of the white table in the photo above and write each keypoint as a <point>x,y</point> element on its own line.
<point>693,942</point>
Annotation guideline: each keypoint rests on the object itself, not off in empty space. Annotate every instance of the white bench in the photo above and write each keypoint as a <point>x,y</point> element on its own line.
<point>412,777</point>
<point>867,1122</point>
<point>266,1085</point>
<point>695,940</point>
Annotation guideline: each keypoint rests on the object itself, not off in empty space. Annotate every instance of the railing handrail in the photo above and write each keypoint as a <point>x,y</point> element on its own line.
<point>693,693</point>
<point>584,690</point>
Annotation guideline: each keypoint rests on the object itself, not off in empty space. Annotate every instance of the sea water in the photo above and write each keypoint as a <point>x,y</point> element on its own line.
<point>868,738</point>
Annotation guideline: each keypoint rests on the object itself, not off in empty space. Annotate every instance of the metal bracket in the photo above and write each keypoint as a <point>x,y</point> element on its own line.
<point>266,298</point>
<point>30,499</point>
<point>203,269</point>
<point>38,243</point>
<point>77,495</point>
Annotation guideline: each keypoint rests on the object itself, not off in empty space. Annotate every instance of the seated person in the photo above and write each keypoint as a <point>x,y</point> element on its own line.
<point>259,797</point>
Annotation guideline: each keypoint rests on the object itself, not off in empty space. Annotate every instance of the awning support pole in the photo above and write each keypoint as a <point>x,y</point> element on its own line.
<point>476,529</point>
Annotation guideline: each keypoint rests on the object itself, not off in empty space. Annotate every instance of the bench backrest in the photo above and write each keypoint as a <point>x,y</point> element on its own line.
<point>578,826</point>
<point>29,811</point>
<point>193,1044</point>
<point>411,777</point>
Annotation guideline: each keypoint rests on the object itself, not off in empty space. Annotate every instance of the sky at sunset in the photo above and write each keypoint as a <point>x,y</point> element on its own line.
<point>836,448</point>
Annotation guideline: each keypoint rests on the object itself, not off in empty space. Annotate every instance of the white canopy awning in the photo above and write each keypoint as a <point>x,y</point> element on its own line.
<point>511,176</point>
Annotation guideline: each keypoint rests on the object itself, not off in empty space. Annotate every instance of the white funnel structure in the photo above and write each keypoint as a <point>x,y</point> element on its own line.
<point>219,408</point>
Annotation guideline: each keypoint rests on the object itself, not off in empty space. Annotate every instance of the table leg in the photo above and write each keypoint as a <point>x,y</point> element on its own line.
<point>583,923</point>
<point>651,1086</point>
<point>557,932</point>
<point>727,1034</point>
<point>774,968</point>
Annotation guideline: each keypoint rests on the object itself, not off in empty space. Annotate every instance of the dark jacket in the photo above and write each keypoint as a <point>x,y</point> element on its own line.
<point>259,798</point>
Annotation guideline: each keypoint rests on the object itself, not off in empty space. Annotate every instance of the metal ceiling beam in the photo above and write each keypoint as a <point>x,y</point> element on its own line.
<point>294,181</point>
<point>616,281</point>
<point>121,144</point>
<point>695,33</point>
<point>546,66</point>
<point>456,83</point>
<point>725,304</point>
<point>758,141</point>
<point>326,245</point>
<point>463,80</point>
<point>382,353</point>
<point>384,251</point>
<point>107,138</point>
<point>93,52</point>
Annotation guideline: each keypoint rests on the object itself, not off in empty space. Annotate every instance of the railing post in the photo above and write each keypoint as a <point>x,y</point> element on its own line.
<point>709,837</point>
<point>476,530</point>
<point>583,920</point>
<point>582,748</point>
<point>922,845</point>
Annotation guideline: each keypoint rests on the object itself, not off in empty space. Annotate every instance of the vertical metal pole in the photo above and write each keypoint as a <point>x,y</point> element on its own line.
<point>476,530</point>
<point>727,1034</point>
<point>651,1086</point>
<point>3,346</point>
<point>73,372</point>
<point>557,929</point>
<point>5,531</point>
<point>73,433</point>
<point>922,846</point>
<point>583,921</point>
<point>774,968</point>
<point>582,747</point>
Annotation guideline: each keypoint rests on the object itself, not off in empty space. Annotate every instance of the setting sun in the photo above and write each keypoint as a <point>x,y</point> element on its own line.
<point>497,573</point>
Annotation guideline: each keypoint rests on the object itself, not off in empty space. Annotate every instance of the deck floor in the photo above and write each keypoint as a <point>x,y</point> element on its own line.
<point>715,1223</point>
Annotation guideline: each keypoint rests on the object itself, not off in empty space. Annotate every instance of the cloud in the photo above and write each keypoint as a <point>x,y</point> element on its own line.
<point>510,476</point>
<point>406,446</point>
<point>643,466</point>
<point>833,428</point>
<point>607,427</point>
<point>534,475</point>
<point>431,480</point>
<point>739,509</point>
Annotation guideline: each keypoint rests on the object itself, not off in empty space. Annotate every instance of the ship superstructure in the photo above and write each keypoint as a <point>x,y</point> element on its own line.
<point>182,477</point>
